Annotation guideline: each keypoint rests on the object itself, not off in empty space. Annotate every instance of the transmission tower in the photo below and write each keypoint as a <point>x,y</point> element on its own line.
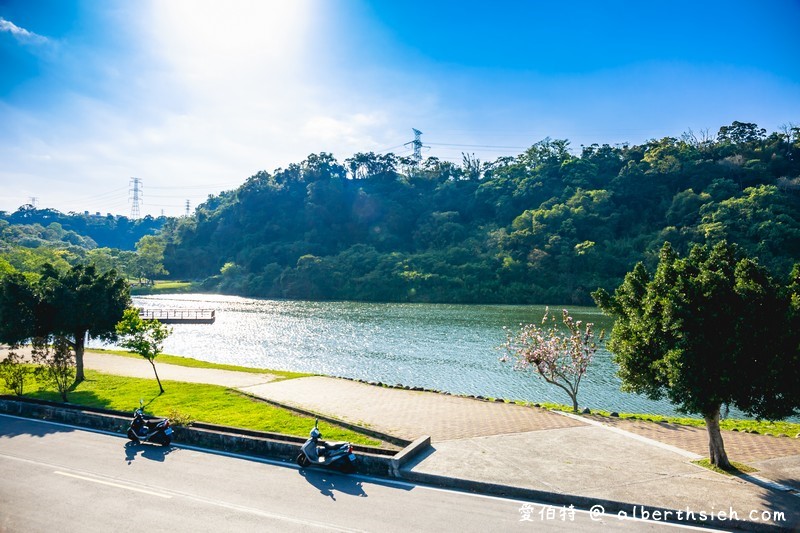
<point>417,144</point>
<point>187,208</point>
<point>34,200</point>
<point>135,192</point>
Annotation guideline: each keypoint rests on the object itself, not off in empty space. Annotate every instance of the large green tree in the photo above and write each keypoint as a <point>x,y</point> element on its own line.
<point>69,305</point>
<point>707,330</point>
<point>149,260</point>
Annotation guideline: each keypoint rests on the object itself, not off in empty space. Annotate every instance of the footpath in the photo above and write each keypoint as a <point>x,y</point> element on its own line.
<point>632,467</point>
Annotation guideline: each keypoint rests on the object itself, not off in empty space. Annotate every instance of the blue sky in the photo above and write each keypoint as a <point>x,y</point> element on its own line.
<point>194,96</point>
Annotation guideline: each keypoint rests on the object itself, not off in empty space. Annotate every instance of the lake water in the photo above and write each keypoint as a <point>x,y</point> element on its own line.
<point>437,346</point>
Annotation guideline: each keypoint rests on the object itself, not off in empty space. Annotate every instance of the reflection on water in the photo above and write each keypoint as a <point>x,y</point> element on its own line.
<point>444,347</point>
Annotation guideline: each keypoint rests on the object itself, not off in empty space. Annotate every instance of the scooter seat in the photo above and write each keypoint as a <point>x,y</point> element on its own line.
<point>154,423</point>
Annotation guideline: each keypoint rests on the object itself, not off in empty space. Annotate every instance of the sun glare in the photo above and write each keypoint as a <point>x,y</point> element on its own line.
<point>207,39</point>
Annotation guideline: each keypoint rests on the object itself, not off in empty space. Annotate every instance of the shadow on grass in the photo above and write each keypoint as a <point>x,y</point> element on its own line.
<point>88,398</point>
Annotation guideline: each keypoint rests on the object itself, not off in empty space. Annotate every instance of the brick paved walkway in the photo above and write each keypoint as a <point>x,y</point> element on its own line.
<point>741,447</point>
<point>409,414</point>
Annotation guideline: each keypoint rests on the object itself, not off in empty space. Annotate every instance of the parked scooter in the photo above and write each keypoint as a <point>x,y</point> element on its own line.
<point>156,430</point>
<point>331,454</point>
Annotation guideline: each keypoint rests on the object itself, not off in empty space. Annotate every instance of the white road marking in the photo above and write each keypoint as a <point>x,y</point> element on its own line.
<point>168,493</point>
<point>111,484</point>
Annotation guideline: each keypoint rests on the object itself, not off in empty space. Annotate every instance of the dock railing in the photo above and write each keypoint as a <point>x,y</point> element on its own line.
<point>176,316</point>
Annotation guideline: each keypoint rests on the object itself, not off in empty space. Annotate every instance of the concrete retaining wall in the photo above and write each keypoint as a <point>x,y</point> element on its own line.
<point>372,461</point>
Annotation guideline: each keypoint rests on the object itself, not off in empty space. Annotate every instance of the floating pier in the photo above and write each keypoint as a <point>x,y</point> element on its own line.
<point>179,316</point>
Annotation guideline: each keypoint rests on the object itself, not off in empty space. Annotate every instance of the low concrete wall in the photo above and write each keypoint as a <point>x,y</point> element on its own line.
<point>103,419</point>
<point>372,461</point>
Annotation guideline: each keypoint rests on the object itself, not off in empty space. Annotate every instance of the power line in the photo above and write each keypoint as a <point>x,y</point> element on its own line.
<point>210,186</point>
<point>176,206</point>
<point>166,196</point>
<point>481,146</point>
<point>390,148</point>
<point>116,193</point>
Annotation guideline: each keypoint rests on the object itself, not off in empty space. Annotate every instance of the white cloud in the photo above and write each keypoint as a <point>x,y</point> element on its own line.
<point>21,34</point>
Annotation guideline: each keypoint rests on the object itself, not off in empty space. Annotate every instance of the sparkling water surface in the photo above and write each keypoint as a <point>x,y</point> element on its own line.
<point>452,348</point>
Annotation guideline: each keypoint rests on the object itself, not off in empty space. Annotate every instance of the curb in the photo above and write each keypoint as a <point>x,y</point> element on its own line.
<point>372,461</point>
<point>598,508</point>
<point>409,452</point>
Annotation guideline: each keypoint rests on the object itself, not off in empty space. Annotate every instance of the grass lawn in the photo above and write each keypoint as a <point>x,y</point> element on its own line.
<point>205,403</point>
<point>160,287</point>
<point>735,470</point>
<point>196,363</point>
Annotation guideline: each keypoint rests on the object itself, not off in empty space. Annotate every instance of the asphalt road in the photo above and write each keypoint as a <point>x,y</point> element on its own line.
<point>60,478</point>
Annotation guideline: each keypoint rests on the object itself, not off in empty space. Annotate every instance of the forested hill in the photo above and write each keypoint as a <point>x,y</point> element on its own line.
<point>547,226</point>
<point>108,231</point>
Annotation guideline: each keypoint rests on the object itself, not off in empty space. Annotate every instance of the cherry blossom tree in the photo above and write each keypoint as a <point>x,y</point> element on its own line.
<point>561,357</point>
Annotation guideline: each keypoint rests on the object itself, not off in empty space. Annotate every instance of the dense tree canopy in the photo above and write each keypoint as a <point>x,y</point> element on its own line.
<point>27,247</point>
<point>65,304</point>
<point>81,228</point>
<point>545,226</point>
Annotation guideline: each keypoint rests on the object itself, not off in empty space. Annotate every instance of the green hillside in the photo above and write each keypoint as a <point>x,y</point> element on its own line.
<point>548,225</point>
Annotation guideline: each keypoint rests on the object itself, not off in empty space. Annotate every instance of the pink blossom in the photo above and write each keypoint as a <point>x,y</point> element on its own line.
<point>559,357</point>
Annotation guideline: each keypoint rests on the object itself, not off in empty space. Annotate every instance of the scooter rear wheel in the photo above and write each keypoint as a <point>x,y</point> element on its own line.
<point>302,460</point>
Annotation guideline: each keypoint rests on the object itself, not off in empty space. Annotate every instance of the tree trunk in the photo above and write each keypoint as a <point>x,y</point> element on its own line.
<point>574,398</point>
<point>156,373</point>
<point>80,342</point>
<point>716,448</point>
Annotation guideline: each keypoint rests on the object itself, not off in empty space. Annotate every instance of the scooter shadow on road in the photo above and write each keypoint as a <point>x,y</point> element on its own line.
<point>147,451</point>
<point>328,482</point>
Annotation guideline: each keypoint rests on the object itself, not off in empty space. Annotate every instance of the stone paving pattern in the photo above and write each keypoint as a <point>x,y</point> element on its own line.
<point>409,414</point>
<point>741,447</point>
